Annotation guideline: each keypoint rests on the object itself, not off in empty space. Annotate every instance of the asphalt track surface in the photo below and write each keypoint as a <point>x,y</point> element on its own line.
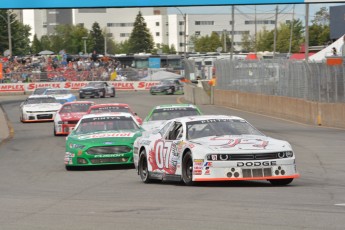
<point>36,192</point>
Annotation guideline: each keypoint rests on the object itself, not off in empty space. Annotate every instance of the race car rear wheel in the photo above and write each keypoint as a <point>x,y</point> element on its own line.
<point>81,96</point>
<point>187,169</point>
<point>102,94</point>
<point>281,181</point>
<point>55,134</point>
<point>143,169</point>
<point>113,93</point>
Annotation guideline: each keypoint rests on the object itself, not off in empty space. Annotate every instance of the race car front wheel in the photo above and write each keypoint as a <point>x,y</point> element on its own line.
<point>280,182</point>
<point>143,169</point>
<point>187,169</point>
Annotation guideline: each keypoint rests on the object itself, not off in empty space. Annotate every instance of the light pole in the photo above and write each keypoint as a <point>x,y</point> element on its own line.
<point>84,38</point>
<point>184,33</point>
<point>8,21</point>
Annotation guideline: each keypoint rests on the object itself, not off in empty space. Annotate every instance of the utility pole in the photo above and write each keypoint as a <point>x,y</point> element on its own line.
<point>224,34</point>
<point>291,31</point>
<point>185,36</point>
<point>232,30</point>
<point>9,32</point>
<point>84,38</point>
<point>275,33</point>
<point>306,31</point>
<point>256,30</point>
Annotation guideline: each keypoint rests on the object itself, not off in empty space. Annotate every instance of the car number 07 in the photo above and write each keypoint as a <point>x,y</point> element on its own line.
<point>163,150</point>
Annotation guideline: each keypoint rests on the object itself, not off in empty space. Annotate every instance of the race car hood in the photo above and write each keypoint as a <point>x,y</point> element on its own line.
<point>42,107</point>
<point>109,137</point>
<point>90,87</point>
<point>241,143</point>
<point>71,116</point>
<point>152,125</point>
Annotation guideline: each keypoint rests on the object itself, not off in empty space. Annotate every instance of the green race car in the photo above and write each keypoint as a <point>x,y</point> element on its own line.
<point>161,113</point>
<point>102,139</point>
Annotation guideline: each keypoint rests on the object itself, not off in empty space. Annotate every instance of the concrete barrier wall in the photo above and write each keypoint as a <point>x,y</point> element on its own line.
<point>196,95</point>
<point>327,114</point>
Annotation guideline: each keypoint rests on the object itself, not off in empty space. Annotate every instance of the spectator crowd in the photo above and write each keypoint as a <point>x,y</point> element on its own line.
<point>61,67</point>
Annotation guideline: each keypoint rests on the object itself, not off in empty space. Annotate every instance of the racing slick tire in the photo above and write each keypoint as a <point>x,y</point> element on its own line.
<point>143,169</point>
<point>187,169</point>
<point>81,96</point>
<point>280,182</point>
<point>113,93</point>
<point>170,91</point>
<point>55,134</point>
<point>102,94</point>
<point>69,168</point>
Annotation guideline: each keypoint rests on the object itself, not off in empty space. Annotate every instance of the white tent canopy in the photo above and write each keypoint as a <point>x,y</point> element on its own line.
<point>161,75</point>
<point>326,52</point>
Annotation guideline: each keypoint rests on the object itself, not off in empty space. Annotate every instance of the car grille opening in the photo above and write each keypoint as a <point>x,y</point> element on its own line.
<point>109,160</point>
<point>45,116</point>
<point>109,149</point>
<point>257,172</point>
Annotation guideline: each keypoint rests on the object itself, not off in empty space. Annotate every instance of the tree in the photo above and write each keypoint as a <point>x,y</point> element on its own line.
<point>207,43</point>
<point>97,38</point>
<point>265,40</point>
<point>248,44</point>
<point>20,34</point>
<point>284,33</point>
<point>36,45</point>
<point>141,39</point>
<point>319,31</point>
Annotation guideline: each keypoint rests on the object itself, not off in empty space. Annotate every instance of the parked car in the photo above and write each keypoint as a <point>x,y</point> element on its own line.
<point>213,148</point>
<point>68,116</point>
<point>97,89</point>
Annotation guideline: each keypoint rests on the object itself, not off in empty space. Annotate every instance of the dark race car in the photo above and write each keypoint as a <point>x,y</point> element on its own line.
<point>168,86</point>
<point>97,89</point>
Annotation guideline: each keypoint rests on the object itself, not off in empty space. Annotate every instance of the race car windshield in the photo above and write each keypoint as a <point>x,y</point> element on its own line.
<point>171,113</point>
<point>96,84</point>
<point>41,100</point>
<point>109,109</point>
<point>39,91</point>
<point>219,127</point>
<point>75,108</point>
<point>100,124</point>
<point>167,82</point>
<point>54,92</point>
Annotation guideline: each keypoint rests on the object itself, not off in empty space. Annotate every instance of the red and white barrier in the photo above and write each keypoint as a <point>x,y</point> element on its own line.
<point>74,85</point>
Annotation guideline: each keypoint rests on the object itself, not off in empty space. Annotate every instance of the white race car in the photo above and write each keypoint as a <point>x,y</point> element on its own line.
<point>213,148</point>
<point>39,108</point>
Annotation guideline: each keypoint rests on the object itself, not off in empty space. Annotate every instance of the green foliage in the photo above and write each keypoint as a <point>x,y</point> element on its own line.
<point>227,41</point>
<point>164,48</point>
<point>207,43</point>
<point>248,43</point>
<point>20,34</point>
<point>319,31</point>
<point>97,38</point>
<point>36,45</point>
<point>265,40</point>
<point>141,39</point>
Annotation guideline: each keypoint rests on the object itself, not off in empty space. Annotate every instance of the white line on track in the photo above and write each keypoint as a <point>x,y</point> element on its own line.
<point>340,204</point>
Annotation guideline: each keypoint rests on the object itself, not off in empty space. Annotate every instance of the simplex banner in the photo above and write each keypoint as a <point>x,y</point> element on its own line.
<point>73,85</point>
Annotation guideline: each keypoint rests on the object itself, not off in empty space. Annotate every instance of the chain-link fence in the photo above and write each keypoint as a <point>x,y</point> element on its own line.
<point>310,81</point>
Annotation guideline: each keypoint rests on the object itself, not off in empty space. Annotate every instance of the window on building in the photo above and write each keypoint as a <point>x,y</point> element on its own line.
<point>125,35</point>
<point>181,33</point>
<point>157,34</point>
<point>157,23</point>
<point>44,24</point>
<point>204,23</point>
<point>181,44</point>
<point>181,23</point>
<point>197,33</point>
<point>126,24</point>
<point>259,22</point>
<point>230,22</point>
<point>81,24</point>
<point>92,10</point>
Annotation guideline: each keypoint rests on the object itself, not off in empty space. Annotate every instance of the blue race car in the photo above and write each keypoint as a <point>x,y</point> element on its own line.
<point>61,95</point>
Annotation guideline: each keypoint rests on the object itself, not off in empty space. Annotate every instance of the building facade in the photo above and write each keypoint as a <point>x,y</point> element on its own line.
<point>171,29</point>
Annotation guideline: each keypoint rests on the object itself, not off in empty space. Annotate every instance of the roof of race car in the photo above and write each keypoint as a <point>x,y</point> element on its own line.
<point>175,106</point>
<point>109,105</point>
<point>41,96</point>
<point>78,102</point>
<point>207,117</point>
<point>112,114</point>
